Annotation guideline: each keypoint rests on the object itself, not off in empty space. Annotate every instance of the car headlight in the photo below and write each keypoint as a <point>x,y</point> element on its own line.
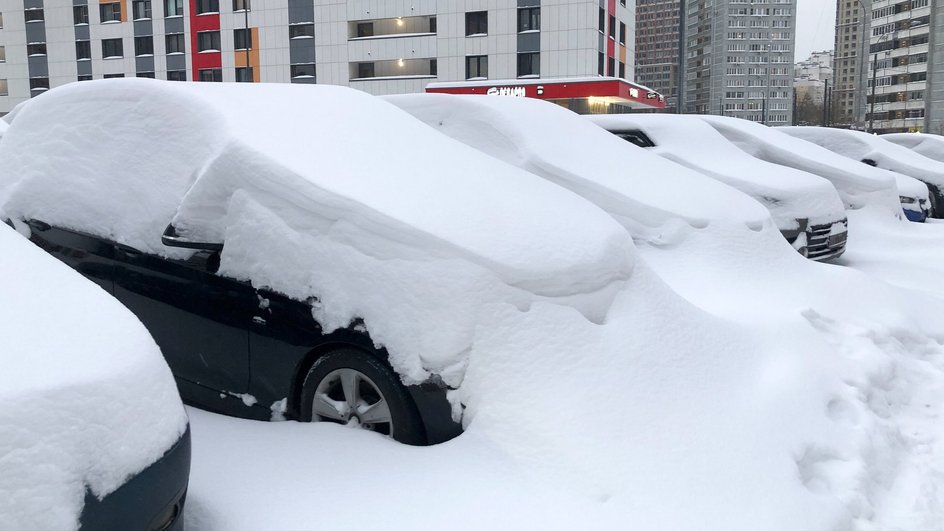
<point>907,200</point>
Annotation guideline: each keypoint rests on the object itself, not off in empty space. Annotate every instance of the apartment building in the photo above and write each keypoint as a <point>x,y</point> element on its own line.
<point>379,46</point>
<point>739,59</point>
<point>657,47</point>
<point>850,70</point>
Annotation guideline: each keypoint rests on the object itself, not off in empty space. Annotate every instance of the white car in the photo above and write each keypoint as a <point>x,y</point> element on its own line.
<point>929,145</point>
<point>806,208</point>
<point>92,429</point>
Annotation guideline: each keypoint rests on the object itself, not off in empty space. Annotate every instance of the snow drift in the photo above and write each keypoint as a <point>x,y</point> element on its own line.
<point>931,146</point>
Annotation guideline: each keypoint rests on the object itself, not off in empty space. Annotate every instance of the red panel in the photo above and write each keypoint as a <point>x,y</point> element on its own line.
<point>610,48</point>
<point>611,7</point>
<point>198,23</point>
<point>558,90</point>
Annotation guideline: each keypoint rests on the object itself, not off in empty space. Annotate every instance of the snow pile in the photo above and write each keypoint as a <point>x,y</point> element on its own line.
<point>931,146</point>
<point>3,127</point>
<point>652,197</point>
<point>788,194</point>
<point>323,193</point>
<point>858,185</point>
<point>85,396</point>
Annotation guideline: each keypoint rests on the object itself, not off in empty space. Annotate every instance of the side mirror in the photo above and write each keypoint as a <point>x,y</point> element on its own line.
<point>170,238</point>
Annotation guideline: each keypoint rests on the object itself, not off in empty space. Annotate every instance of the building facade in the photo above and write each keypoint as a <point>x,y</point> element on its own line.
<point>657,47</point>
<point>739,59</point>
<point>379,46</point>
<point>850,70</point>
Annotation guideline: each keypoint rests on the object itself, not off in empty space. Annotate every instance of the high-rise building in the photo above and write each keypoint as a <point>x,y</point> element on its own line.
<point>381,47</point>
<point>739,59</point>
<point>657,47</point>
<point>849,63</point>
<point>902,61</point>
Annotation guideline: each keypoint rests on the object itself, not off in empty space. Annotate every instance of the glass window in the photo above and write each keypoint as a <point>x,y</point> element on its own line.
<point>1,22</point>
<point>529,18</point>
<point>622,38</point>
<point>476,23</point>
<point>305,70</point>
<point>602,26</point>
<point>113,76</point>
<point>529,64</point>
<point>173,8</point>
<point>622,70</point>
<point>80,15</point>
<point>211,74</point>
<point>4,88</point>
<point>208,41</point>
<point>34,15</point>
<point>39,83</point>
<point>176,75</point>
<point>110,12</point>
<point>83,50</point>
<point>612,27</point>
<point>241,5</point>
<point>301,31</point>
<point>476,66</point>
<point>242,39</point>
<point>141,9</point>
<point>611,66</point>
<point>144,45</point>
<point>365,29</point>
<point>36,49</point>
<point>85,77</point>
<point>111,48</point>
<point>174,43</point>
<point>3,54</point>
<point>365,70</point>
<point>244,74</point>
<point>145,74</point>
<point>208,6</point>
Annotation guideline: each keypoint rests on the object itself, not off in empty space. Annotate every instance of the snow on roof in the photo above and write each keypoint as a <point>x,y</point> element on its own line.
<point>859,145</point>
<point>857,184</point>
<point>639,189</point>
<point>929,145</point>
<point>789,194</point>
<point>85,396</point>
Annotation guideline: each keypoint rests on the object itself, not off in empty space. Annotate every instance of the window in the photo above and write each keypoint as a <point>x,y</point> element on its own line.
<point>33,50</point>
<point>243,74</point>
<point>303,71</point>
<point>211,74</point>
<point>80,15</point>
<point>174,43</point>
<point>85,77</point>
<point>208,41</point>
<point>149,75</point>
<point>365,29</point>
<point>432,24</point>
<point>113,76</point>
<point>173,8</point>
<point>529,19</point>
<point>476,66</point>
<point>601,61</point>
<point>301,31</point>
<point>241,5</point>
<point>433,67</point>
<point>4,89</point>
<point>622,70</point>
<point>365,70</point>
<point>476,23</point>
<point>39,83</point>
<point>529,64</point>
<point>144,45</point>
<point>242,39</point>
<point>176,75</point>
<point>602,25</point>
<point>111,48</point>
<point>110,12</point>
<point>1,22</point>
<point>83,50</point>
<point>611,66</point>
<point>208,6</point>
<point>141,9</point>
<point>33,15</point>
<point>612,27</point>
<point>622,39</point>
<point>3,54</point>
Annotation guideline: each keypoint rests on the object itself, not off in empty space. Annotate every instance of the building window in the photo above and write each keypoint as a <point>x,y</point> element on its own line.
<point>80,15</point>
<point>113,76</point>
<point>241,5</point>
<point>83,50</point>
<point>39,83</point>
<point>174,43</point>
<point>612,27</point>
<point>476,66</point>
<point>1,20</point>
<point>365,29</point>
<point>3,54</point>
<point>365,70</point>
<point>173,8</point>
<point>432,24</point>
<point>35,50</point>
<point>602,21</point>
<point>601,61</point>
<point>476,23</point>
<point>144,45</point>
<point>34,15</point>
<point>304,71</point>
<point>622,39</point>
<point>141,9</point>
<point>111,48</point>
<point>4,88</point>
<point>244,74</point>
<point>149,75</point>
<point>301,31</point>
<point>208,6</point>
<point>208,41</point>
<point>110,12</point>
<point>529,64</point>
<point>611,66</point>
<point>529,19</point>
<point>85,77</point>
<point>242,39</point>
<point>622,70</point>
<point>211,74</point>
<point>176,75</point>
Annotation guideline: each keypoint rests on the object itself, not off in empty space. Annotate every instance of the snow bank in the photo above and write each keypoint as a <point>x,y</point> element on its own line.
<point>3,127</point>
<point>929,145</point>
<point>788,194</point>
<point>323,193</point>
<point>858,185</point>
<point>648,195</point>
<point>85,396</point>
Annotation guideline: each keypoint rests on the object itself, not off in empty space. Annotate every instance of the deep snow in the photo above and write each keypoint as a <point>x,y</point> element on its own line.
<point>929,145</point>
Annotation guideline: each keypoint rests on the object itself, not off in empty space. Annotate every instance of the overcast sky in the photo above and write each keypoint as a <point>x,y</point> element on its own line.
<point>816,25</point>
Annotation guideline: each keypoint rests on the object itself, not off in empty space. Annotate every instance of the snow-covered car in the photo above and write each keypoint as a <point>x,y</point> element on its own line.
<point>929,145</point>
<point>644,192</point>
<point>92,430</point>
<point>806,208</point>
<point>875,151</point>
<point>311,253</point>
<point>3,127</point>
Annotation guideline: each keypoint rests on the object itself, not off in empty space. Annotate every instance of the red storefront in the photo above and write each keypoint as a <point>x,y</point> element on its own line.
<point>595,90</point>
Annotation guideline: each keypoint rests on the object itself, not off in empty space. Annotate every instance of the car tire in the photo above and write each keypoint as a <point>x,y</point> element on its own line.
<point>351,387</point>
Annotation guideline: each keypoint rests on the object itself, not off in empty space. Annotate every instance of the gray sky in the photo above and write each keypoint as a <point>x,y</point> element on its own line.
<point>816,25</point>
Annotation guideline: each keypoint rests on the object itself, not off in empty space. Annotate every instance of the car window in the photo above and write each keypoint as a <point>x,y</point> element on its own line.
<point>636,137</point>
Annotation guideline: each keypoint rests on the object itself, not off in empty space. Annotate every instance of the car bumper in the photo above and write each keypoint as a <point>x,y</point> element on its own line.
<point>152,500</point>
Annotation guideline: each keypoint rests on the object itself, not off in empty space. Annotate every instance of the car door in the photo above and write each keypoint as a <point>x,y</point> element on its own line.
<point>87,254</point>
<point>198,318</point>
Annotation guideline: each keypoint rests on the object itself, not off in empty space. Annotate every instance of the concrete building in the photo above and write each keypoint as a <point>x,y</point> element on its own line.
<point>657,47</point>
<point>812,81</point>
<point>381,47</point>
<point>850,70</point>
<point>739,59</point>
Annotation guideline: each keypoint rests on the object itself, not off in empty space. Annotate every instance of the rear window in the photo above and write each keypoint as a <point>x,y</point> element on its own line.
<point>636,137</point>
